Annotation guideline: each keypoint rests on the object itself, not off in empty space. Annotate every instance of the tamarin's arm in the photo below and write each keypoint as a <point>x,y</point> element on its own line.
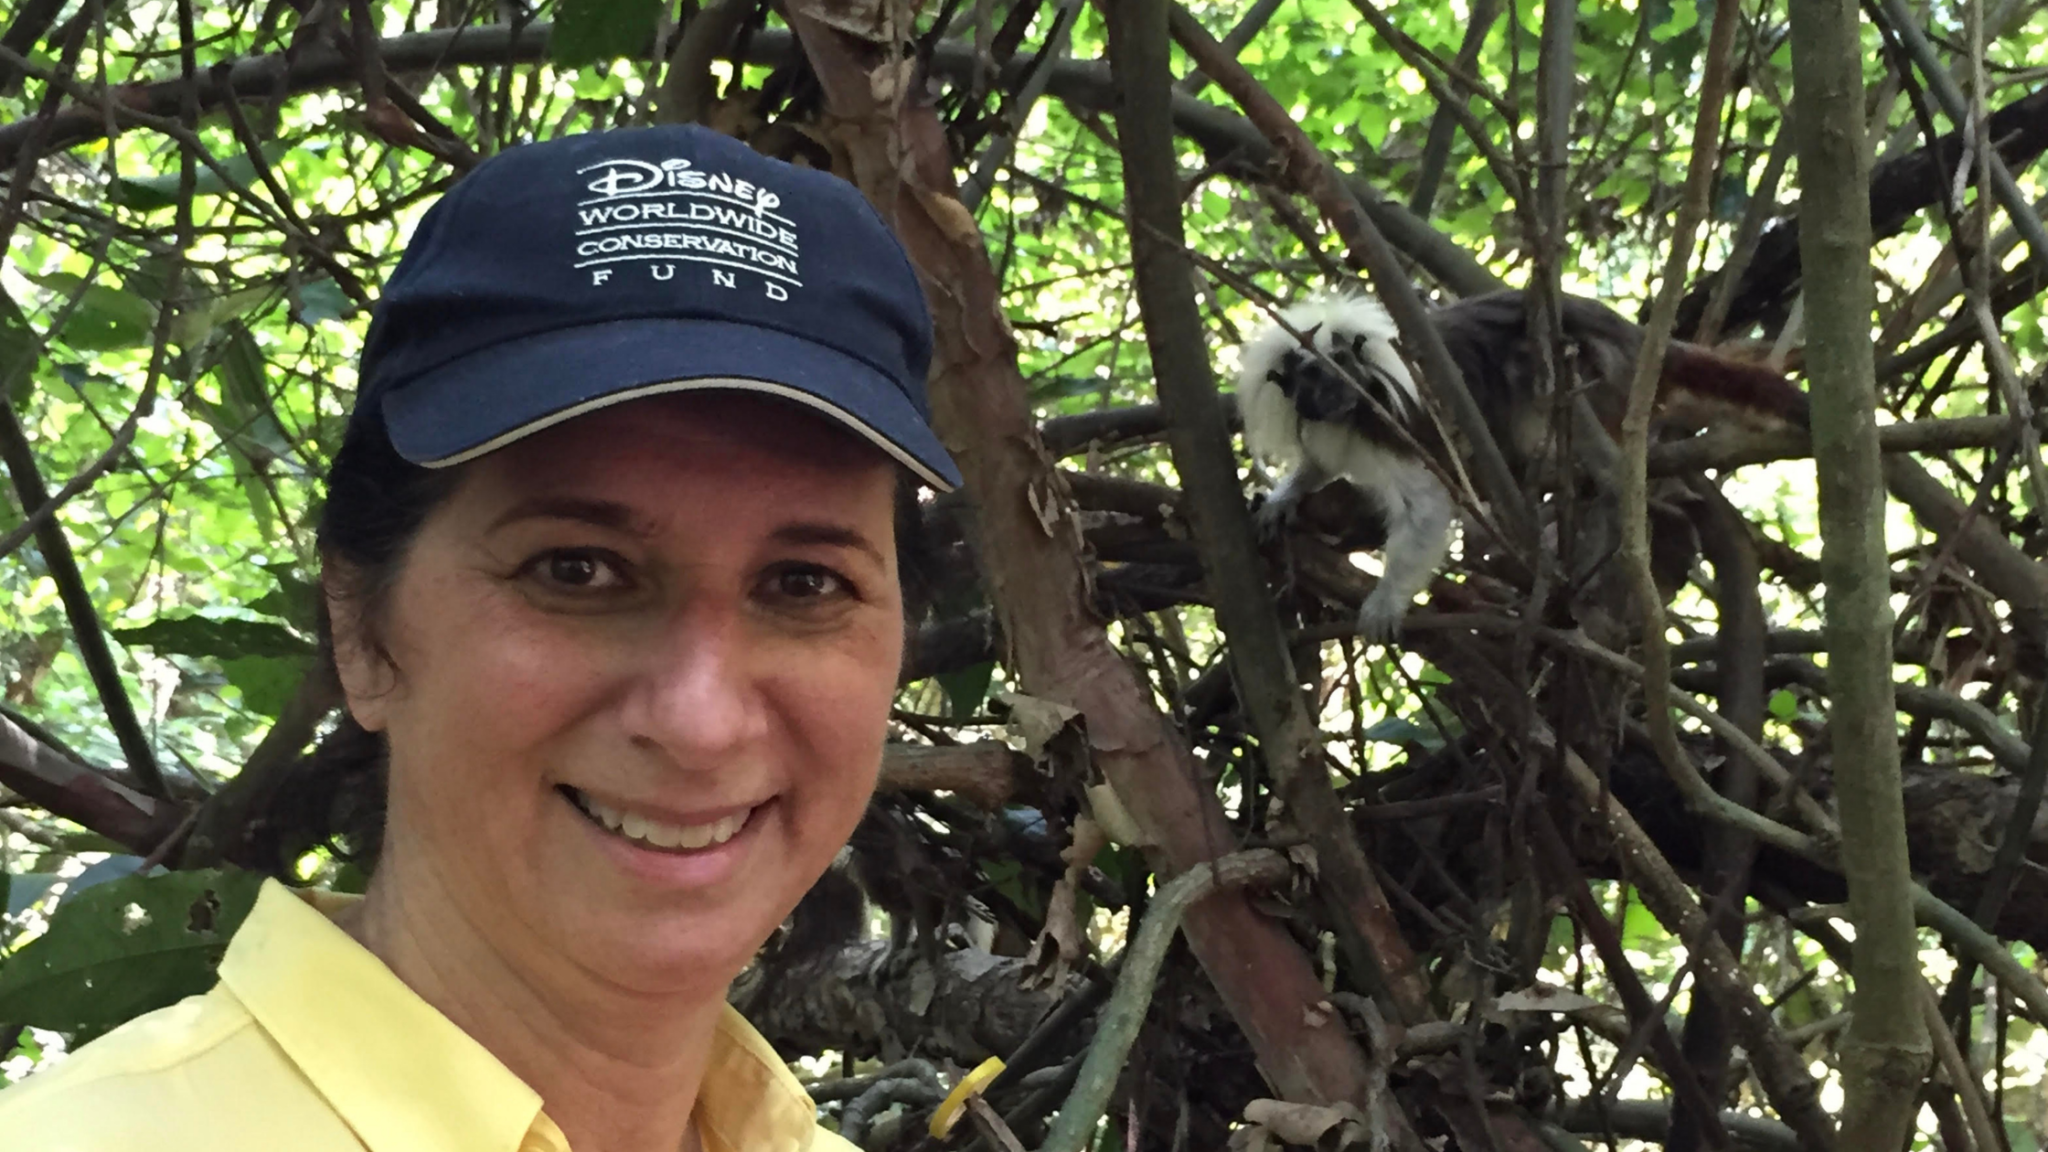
<point>1277,511</point>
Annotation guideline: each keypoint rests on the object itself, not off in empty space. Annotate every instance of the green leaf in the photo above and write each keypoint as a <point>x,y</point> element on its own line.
<point>2020,1135</point>
<point>106,318</point>
<point>967,688</point>
<point>151,193</point>
<point>24,1044</point>
<point>324,300</point>
<point>587,31</point>
<point>262,505</point>
<point>1395,730</point>
<point>244,417</point>
<point>1640,928</point>
<point>219,639</point>
<point>1008,878</point>
<point>1784,705</point>
<point>124,948</point>
<point>265,682</point>
<point>295,601</point>
<point>150,278</point>
<point>240,373</point>
<point>204,313</point>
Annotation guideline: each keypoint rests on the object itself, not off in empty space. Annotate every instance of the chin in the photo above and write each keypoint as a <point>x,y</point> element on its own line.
<point>685,958</point>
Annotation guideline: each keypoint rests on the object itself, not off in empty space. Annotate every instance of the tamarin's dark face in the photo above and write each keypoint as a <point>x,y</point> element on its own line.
<point>1347,384</point>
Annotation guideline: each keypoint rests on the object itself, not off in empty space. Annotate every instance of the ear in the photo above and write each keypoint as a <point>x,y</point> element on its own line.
<point>366,676</point>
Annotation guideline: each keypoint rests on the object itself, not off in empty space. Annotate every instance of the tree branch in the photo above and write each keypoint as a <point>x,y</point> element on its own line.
<point>54,782</point>
<point>1886,1051</point>
<point>1138,971</point>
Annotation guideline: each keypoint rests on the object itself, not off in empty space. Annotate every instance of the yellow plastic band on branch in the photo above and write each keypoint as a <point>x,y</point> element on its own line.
<point>955,1104</point>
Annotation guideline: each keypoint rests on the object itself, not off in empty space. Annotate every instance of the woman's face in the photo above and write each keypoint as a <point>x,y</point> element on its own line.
<point>643,668</point>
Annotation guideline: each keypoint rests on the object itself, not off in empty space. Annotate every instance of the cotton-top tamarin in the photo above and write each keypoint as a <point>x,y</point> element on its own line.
<point>1350,410</point>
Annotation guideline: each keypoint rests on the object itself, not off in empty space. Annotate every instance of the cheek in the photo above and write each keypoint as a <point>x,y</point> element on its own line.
<point>473,655</point>
<point>837,709</point>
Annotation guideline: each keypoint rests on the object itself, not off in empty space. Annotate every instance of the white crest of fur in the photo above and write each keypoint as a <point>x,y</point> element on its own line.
<point>1419,512</point>
<point>1272,428</point>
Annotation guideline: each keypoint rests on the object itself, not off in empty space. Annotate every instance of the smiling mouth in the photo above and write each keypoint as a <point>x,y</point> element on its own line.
<point>655,834</point>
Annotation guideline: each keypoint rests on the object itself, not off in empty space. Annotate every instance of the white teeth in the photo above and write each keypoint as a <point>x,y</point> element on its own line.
<point>634,826</point>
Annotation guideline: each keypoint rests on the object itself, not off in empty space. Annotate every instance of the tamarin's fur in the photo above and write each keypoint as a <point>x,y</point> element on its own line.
<point>1351,410</point>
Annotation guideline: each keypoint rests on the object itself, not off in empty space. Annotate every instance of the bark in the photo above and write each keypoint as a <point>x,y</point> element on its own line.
<point>1725,541</point>
<point>968,1006</point>
<point>54,782</point>
<point>1886,1051</point>
<point>1138,964</point>
<point>1780,1069</point>
<point>1632,482</point>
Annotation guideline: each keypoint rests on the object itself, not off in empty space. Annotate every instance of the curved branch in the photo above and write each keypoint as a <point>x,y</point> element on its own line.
<point>1138,972</point>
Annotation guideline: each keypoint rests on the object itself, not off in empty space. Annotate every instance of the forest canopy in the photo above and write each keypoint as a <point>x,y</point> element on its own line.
<point>1601,849</point>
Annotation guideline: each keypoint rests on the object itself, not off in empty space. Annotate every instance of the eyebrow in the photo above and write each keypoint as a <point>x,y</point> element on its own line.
<point>831,535</point>
<point>620,518</point>
<point>601,513</point>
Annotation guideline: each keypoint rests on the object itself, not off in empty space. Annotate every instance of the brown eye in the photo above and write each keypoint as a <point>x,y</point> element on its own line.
<point>806,582</point>
<point>578,569</point>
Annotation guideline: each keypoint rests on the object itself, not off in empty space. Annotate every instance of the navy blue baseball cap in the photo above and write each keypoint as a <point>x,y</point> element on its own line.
<point>565,276</point>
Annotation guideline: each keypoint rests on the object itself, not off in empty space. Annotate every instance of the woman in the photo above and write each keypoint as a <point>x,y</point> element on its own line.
<point>612,570</point>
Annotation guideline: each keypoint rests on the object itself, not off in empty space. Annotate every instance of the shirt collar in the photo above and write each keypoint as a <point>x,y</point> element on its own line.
<point>404,1077</point>
<point>749,1101</point>
<point>399,1073</point>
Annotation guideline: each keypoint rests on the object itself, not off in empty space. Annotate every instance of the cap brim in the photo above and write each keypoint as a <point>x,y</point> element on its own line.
<point>487,400</point>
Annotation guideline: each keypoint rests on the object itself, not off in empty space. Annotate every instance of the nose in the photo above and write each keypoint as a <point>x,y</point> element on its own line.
<point>694,699</point>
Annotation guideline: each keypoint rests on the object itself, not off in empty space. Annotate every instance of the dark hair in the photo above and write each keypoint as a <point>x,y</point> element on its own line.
<point>375,505</point>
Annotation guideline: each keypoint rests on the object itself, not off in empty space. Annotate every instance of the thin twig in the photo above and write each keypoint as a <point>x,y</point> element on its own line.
<point>21,533</point>
<point>1960,1077</point>
<point>1241,33</point>
<point>1635,425</point>
<point>996,153</point>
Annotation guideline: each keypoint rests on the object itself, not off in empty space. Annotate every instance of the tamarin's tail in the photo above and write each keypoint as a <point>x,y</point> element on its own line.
<point>1723,382</point>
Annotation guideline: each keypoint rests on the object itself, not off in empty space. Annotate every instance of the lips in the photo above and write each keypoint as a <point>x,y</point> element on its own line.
<point>649,832</point>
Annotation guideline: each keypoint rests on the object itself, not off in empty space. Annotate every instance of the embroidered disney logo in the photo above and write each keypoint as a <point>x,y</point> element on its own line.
<point>660,214</point>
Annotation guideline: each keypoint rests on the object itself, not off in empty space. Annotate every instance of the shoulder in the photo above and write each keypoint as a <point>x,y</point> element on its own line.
<point>171,1078</point>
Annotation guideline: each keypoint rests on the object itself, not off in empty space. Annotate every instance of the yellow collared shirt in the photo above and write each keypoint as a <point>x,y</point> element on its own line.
<point>310,1043</point>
